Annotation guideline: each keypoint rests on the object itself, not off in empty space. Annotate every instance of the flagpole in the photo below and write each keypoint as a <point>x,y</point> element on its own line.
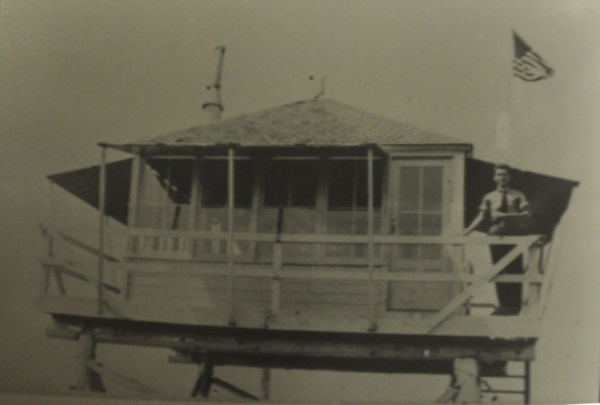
<point>503,125</point>
<point>509,102</point>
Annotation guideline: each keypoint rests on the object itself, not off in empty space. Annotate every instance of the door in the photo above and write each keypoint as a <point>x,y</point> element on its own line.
<point>420,200</point>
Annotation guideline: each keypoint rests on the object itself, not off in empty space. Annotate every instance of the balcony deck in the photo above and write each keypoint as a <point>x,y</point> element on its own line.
<point>188,292</point>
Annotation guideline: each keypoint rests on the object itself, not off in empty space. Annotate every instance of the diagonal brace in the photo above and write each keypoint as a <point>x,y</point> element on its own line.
<point>434,321</point>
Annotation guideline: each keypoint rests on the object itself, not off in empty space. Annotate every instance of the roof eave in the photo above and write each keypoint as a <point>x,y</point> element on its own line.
<point>137,148</point>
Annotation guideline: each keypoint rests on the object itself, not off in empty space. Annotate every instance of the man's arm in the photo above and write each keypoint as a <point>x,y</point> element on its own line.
<point>474,224</point>
<point>523,210</point>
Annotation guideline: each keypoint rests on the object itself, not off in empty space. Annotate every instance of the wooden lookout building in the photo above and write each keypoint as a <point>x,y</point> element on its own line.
<point>313,236</point>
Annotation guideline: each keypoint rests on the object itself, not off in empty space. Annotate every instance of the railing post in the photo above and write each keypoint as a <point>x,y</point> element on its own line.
<point>230,239</point>
<point>102,209</point>
<point>370,247</point>
<point>531,293</point>
<point>276,281</point>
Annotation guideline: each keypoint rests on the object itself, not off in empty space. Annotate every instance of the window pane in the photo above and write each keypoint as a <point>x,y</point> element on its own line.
<point>362,183</point>
<point>267,223</point>
<point>214,183</point>
<point>152,191</point>
<point>244,183</point>
<point>341,185</point>
<point>213,220</point>
<point>340,222</point>
<point>304,177</point>
<point>409,189</point>
<point>174,176</point>
<point>408,224</point>
<point>431,224</point>
<point>276,184</point>
<point>180,180</point>
<point>432,188</point>
<point>298,220</point>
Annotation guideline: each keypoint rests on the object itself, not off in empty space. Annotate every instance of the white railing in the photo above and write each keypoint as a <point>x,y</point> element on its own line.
<point>179,245</point>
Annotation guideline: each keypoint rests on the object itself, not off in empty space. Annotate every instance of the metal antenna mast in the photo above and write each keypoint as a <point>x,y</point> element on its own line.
<point>215,107</point>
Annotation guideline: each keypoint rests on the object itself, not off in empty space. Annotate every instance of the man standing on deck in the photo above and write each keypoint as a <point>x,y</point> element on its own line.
<point>508,211</point>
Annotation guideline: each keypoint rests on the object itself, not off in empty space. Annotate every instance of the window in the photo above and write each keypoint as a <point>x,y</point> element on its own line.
<point>347,204</point>
<point>165,197</point>
<point>165,194</point>
<point>291,183</point>
<point>420,208</point>
<point>213,215</point>
<point>289,204</point>
<point>214,177</point>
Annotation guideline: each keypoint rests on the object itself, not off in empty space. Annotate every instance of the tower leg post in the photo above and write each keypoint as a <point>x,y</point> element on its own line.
<point>265,383</point>
<point>205,379</point>
<point>466,374</point>
<point>87,379</point>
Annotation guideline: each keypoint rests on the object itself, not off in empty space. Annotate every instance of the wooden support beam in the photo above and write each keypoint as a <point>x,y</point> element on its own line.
<point>276,280</point>
<point>194,199</point>
<point>527,382</point>
<point>205,379</point>
<point>239,346</point>
<point>341,238</point>
<point>85,247</point>
<point>466,373</point>
<point>230,233</point>
<point>265,383</point>
<point>134,191</point>
<point>63,267</point>
<point>370,245</point>
<point>60,282</point>
<point>233,389</point>
<point>102,209</point>
<point>112,308</point>
<point>89,379</point>
<point>548,275</point>
<point>56,234</point>
<point>532,291</point>
<point>46,281</point>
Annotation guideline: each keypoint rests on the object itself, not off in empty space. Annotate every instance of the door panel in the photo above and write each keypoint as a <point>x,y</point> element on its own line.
<point>420,192</point>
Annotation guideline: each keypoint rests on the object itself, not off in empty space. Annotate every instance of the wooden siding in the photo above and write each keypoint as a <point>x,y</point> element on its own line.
<point>211,291</point>
<point>208,291</point>
<point>328,295</point>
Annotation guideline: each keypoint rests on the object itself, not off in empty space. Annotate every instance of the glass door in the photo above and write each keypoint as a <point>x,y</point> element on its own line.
<point>420,197</point>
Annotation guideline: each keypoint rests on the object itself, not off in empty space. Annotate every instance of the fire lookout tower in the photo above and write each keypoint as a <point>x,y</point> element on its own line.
<point>313,236</point>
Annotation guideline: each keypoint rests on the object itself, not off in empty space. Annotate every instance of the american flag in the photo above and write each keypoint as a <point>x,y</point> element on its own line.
<point>527,64</point>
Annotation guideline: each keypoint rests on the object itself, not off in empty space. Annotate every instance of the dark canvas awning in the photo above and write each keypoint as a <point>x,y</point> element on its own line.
<point>84,184</point>
<point>548,196</point>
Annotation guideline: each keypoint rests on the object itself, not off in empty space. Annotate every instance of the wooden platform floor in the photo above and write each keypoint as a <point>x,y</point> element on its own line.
<point>299,349</point>
<point>392,323</point>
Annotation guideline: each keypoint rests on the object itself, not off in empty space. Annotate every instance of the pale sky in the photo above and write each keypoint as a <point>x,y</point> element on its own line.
<point>78,72</point>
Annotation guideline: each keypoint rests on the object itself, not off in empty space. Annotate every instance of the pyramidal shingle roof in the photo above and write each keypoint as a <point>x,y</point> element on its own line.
<point>316,122</point>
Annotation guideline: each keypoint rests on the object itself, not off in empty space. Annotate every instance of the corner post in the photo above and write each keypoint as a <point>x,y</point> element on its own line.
<point>532,290</point>
<point>102,209</point>
<point>370,247</point>
<point>230,239</point>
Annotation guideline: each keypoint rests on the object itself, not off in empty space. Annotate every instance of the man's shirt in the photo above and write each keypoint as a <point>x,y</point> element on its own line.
<point>516,201</point>
<point>507,201</point>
